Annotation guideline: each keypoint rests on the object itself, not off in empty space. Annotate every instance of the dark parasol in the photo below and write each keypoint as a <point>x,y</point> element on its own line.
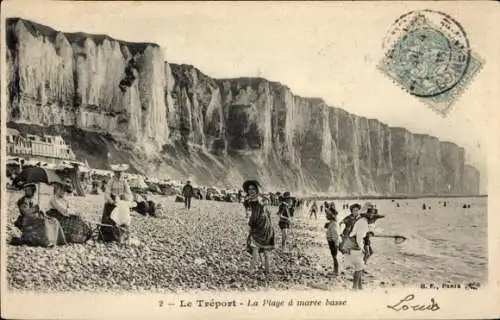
<point>37,175</point>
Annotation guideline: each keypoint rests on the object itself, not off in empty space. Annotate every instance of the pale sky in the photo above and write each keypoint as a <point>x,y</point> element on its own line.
<point>327,50</point>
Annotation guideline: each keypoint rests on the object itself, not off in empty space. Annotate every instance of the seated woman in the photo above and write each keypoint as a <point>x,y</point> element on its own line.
<point>143,206</point>
<point>146,207</point>
<point>26,205</point>
<point>37,229</point>
<point>95,186</point>
<point>75,229</point>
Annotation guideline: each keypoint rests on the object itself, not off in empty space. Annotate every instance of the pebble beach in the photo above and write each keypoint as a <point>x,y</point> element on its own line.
<point>204,249</point>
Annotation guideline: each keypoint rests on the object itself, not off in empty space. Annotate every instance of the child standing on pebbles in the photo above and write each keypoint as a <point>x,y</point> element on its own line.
<point>285,219</point>
<point>332,234</point>
<point>261,232</point>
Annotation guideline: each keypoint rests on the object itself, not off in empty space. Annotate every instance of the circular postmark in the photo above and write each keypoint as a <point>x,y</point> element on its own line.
<point>427,51</point>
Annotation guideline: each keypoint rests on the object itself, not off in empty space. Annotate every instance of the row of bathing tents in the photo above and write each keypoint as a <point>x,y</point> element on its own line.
<point>73,170</point>
<point>65,170</point>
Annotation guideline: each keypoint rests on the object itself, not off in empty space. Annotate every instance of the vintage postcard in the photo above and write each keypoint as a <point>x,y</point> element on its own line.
<point>250,160</point>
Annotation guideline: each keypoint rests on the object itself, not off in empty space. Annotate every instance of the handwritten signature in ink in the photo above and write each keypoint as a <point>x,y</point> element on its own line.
<point>404,305</point>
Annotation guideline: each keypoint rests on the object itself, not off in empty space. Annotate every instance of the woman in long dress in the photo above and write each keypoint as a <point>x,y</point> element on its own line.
<point>261,232</point>
<point>26,205</point>
<point>117,189</point>
<point>37,229</point>
<point>75,229</point>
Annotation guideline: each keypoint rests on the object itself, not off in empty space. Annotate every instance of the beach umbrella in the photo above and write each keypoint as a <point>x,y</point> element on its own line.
<point>37,175</point>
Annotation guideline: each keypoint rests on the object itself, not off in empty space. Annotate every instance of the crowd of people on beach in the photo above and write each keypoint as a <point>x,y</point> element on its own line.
<point>61,224</point>
<point>351,236</point>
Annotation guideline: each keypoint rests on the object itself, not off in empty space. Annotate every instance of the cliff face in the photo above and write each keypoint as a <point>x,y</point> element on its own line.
<point>219,131</point>
<point>91,82</point>
<point>470,180</point>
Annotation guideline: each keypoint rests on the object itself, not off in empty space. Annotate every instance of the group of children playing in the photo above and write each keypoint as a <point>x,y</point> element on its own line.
<point>351,236</point>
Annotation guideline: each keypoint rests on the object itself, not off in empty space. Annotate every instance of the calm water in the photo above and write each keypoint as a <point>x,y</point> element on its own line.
<point>445,244</point>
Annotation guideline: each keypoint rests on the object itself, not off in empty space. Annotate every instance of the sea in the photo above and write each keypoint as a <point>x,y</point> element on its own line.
<point>445,245</point>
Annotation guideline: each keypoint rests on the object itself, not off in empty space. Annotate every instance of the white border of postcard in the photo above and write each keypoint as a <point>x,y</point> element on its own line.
<point>459,303</point>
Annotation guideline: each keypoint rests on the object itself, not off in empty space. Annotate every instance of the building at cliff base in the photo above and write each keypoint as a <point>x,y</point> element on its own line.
<point>33,146</point>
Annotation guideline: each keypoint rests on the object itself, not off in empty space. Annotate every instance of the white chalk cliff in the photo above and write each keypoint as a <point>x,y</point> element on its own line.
<point>168,119</point>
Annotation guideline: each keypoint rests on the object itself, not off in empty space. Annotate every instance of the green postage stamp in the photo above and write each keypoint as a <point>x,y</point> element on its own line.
<point>427,53</point>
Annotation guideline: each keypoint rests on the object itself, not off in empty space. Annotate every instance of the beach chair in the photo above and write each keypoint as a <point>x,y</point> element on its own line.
<point>95,227</point>
<point>96,234</point>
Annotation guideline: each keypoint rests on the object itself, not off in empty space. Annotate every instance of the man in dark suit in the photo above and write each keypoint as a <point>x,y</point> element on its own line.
<point>187,193</point>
